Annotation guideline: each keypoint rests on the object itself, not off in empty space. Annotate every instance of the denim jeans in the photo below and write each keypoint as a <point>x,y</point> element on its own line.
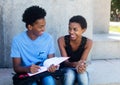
<point>71,76</point>
<point>48,80</point>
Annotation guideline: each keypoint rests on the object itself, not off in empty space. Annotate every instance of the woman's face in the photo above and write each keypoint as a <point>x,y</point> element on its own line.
<point>75,30</point>
<point>38,27</point>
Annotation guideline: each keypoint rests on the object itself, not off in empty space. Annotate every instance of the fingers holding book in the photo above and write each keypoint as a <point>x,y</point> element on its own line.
<point>53,68</point>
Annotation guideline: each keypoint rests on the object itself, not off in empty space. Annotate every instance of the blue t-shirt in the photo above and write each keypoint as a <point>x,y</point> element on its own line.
<point>32,51</point>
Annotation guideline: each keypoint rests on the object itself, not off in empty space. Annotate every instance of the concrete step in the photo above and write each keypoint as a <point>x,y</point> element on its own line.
<point>106,46</point>
<point>104,72</point>
<point>6,76</point>
<point>101,72</point>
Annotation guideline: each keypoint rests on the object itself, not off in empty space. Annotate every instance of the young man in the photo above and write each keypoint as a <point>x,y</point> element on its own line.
<point>33,45</point>
<point>76,47</point>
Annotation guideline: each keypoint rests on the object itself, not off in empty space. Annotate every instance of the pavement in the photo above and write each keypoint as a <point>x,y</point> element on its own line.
<point>104,72</point>
<point>6,76</point>
<point>101,72</point>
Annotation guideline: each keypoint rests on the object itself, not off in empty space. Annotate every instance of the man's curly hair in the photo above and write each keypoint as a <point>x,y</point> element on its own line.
<point>80,20</point>
<point>33,13</point>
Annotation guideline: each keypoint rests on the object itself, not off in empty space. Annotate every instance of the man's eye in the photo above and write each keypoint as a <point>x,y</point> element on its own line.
<point>40,27</point>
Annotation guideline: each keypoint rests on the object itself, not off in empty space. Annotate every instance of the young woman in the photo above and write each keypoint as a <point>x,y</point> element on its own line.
<point>77,47</point>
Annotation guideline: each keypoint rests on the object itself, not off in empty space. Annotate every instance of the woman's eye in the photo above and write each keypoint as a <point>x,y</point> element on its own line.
<point>69,28</point>
<point>75,29</point>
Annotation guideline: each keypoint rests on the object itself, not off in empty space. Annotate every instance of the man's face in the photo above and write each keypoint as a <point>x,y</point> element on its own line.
<point>38,27</point>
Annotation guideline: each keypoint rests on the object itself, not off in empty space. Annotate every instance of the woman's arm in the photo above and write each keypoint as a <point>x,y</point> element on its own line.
<point>88,47</point>
<point>61,44</point>
<point>81,67</point>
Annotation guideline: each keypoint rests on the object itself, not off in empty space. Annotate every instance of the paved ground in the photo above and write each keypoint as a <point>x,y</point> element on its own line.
<point>105,72</point>
<point>6,76</point>
<point>101,72</point>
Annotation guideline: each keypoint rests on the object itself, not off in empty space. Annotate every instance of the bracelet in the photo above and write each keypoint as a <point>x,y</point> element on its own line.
<point>82,61</point>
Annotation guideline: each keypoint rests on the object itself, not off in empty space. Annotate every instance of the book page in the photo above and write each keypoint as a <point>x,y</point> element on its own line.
<point>42,69</point>
<point>48,62</point>
<point>54,60</point>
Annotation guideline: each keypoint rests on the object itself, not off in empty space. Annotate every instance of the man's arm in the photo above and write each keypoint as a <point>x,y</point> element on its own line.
<point>23,69</point>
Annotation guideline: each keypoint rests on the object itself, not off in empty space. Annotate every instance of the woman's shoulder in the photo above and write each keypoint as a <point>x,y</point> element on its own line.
<point>88,39</point>
<point>62,41</point>
<point>62,38</point>
<point>89,42</point>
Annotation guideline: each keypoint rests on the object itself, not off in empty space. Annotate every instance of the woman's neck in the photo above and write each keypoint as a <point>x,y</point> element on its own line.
<point>78,40</point>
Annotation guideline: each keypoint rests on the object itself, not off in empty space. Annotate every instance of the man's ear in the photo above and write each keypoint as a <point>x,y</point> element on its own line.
<point>29,27</point>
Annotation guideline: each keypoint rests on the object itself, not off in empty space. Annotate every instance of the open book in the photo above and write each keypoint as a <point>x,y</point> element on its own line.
<point>49,62</point>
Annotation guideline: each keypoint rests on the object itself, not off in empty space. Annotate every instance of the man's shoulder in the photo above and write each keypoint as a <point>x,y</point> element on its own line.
<point>46,34</point>
<point>19,36</point>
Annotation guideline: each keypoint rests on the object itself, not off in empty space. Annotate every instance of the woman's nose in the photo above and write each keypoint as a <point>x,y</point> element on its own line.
<point>71,31</point>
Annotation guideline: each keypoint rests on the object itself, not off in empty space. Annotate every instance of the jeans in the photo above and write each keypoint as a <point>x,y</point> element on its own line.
<point>71,76</point>
<point>48,80</point>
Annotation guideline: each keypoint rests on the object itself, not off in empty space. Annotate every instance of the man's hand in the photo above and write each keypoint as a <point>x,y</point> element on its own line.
<point>34,68</point>
<point>52,68</point>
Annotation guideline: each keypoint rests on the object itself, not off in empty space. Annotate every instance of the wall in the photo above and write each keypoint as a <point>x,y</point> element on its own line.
<point>58,14</point>
<point>101,16</point>
<point>1,34</point>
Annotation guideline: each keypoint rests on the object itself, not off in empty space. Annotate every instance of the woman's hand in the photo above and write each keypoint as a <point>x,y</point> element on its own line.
<point>52,68</point>
<point>74,64</point>
<point>81,67</point>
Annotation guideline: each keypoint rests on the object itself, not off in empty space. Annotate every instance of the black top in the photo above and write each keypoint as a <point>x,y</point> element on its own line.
<point>74,55</point>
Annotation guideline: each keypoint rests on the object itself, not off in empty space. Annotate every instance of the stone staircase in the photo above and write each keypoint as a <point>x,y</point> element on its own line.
<point>6,76</point>
<point>101,72</point>
<point>106,46</point>
<point>104,72</point>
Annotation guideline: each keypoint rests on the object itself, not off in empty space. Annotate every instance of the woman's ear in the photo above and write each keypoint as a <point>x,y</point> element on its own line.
<point>84,30</point>
<point>29,27</point>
